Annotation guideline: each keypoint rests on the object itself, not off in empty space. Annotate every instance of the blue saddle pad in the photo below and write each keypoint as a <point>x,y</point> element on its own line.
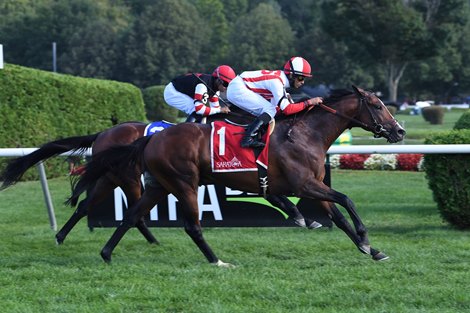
<point>156,127</point>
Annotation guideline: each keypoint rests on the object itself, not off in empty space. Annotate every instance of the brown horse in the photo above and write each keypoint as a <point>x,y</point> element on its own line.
<point>129,179</point>
<point>179,158</point>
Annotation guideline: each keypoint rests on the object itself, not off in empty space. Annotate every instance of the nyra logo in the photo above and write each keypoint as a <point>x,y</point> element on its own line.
<point>233,163</point>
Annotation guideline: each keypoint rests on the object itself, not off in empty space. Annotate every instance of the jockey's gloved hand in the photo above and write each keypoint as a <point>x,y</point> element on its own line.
<point>314,101</point>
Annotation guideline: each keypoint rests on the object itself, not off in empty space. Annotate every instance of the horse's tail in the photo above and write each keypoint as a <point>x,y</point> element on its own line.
<point>17,167</point>
<point>116,160</point>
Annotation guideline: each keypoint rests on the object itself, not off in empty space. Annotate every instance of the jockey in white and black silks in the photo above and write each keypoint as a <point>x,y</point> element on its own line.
<point>198,94</point>
<point>263,93</point>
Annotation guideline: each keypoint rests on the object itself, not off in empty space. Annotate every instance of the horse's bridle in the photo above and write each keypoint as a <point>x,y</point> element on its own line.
<point>376,128</point>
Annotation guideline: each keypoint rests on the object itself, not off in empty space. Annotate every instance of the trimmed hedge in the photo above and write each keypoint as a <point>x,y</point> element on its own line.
<point>434,114</point>
<point>464,121</point>
<point>449,178</point>
<point>38,106</point>
<point>156,107</point>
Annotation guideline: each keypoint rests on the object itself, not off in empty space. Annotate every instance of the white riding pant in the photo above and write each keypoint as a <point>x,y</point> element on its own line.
<point>178,100</point>
<point>245,99</point>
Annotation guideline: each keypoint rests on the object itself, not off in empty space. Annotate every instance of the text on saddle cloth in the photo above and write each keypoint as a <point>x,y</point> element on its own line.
<point>226,153</point>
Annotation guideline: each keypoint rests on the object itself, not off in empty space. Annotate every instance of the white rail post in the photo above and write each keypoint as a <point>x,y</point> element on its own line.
<point>47,196</point>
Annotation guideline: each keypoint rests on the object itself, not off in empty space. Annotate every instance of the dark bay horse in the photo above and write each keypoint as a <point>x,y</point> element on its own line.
<point>179,158</point>
<point>129,179</point>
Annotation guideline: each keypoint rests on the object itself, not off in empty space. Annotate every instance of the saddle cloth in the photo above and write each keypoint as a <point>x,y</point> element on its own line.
<point>226,153</point>
<point>156,127</point>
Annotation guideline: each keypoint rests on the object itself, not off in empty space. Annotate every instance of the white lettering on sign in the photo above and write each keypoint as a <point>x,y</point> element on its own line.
<point>234,192</point>
<point>120,202</point>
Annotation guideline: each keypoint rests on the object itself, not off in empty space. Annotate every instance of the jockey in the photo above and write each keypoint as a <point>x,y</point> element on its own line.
<point>191,93</point>
<point>263,92</point>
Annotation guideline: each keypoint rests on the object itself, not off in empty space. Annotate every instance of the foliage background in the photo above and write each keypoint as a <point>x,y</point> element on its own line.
<point>419,49</point>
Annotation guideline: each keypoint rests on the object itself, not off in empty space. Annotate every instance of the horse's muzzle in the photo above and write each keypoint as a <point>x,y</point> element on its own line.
<point>396,133</point>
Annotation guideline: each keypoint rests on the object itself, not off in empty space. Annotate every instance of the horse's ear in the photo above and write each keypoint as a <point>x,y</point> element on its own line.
<point>357,90</point>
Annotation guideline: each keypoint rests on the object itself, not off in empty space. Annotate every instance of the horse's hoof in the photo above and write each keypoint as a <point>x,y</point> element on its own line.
<point>220,263</point>
<point>106,257</point>
<point>300,222</point>
<point>380,256</point>
<point>364,249</point>
<point>154,242</point>
<point>59,241</point>
<point>314,225</point>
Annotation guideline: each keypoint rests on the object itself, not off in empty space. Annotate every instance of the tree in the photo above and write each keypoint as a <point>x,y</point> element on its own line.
<point>261,39</point>
<point>166,40</point>
<point>29,32</point>
<point>212,12</point>
<point>448,72</point>
<point>392,33</point>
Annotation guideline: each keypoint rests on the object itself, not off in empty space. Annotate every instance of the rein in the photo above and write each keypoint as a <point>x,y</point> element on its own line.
<point>376,128</point>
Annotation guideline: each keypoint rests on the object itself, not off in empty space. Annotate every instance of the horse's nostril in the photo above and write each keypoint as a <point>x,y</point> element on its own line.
<point>402,132</point>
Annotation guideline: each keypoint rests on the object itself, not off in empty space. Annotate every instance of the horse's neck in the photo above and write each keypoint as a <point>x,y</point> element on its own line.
<point>327,126</point>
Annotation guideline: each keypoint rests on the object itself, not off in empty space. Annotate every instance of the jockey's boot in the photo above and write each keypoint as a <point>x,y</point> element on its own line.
<point>249,139</point>
<point>192,118</point>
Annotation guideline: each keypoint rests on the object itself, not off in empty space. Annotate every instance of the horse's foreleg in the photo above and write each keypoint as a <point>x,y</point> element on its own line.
<point>318,190</point>
<point>145,231</point>
<point>341,222</point>
<point>338,218</point>
<point>291,209</point>
<point>288,207</point>
<point>150,197</point>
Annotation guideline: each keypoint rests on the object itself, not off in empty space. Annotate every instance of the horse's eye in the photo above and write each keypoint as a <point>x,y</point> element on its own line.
<point>378,107</point>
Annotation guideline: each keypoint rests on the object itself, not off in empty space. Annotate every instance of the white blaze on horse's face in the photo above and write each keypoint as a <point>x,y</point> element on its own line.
<point>384,123</point>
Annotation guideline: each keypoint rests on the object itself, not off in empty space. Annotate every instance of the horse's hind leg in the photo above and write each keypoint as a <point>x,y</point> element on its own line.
<point>79,213</point>
<point>100,190</point>
<point>149,198</point>
<point>192,226</point>
<point>133,193</point>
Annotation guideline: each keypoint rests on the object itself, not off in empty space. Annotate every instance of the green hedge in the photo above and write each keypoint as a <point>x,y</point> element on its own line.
<point>434,114</point>
<point>449,178</point>
<point>464,121</point>
<point>38,106</point>
<point>156,107</point>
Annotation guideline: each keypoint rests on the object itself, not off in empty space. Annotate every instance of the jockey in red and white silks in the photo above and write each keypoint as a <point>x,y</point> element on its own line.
<point>192,92</point>
<point>263,93</point>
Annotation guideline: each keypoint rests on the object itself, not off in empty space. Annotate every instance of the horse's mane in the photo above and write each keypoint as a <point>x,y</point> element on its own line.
<point>336,95</point>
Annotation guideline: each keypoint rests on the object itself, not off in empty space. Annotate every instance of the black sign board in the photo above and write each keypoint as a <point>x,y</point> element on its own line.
<point>218,207</point>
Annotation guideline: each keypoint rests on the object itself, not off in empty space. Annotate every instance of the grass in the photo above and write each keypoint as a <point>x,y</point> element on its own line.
<point>415,125</point>
<point>278,269</point>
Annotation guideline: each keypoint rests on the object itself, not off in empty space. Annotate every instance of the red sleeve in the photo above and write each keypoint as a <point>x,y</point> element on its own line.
<point>293,108</point>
